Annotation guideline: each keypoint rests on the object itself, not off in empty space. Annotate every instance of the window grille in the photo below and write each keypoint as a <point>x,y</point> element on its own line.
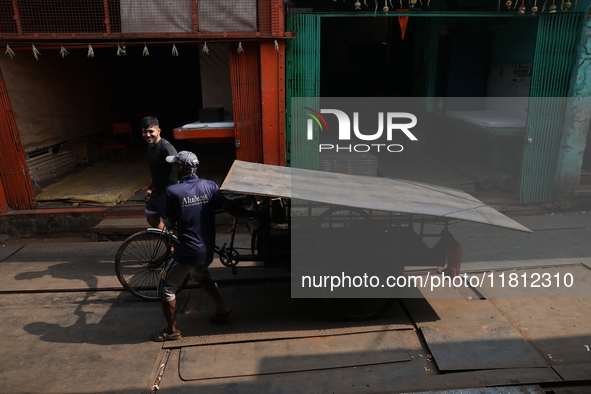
<point>128,19</point>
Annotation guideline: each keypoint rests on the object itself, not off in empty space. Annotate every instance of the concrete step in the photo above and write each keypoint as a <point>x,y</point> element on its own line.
<point>117,229</point>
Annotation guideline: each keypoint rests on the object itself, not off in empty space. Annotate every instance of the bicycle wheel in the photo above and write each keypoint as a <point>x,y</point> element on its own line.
<point>139,262</point>
<point>343,217</point>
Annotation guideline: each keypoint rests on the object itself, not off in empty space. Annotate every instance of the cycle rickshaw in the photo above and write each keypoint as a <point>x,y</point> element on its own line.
<point>314,216</point>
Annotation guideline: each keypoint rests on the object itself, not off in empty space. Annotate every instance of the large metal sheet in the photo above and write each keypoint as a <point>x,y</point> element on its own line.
<point>290,355</point>
<point>557,328</point>
<point>470,335</point>
<point>266,312</point>
<point>383,194</point>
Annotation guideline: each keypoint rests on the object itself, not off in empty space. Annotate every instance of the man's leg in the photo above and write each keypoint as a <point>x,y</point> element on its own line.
<point>155,209</point>
<point>201,275</point>
<point>209,286</point>
<point>173,275</point>
<point>169,310</point>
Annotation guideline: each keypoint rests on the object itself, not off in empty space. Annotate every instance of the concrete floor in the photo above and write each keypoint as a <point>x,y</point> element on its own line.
<point>69,328</point>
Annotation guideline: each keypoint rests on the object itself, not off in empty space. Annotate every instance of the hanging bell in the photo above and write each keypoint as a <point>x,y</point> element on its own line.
<point>385,9</point>
<point>357,5</point>
<point>508,4</point>
<point>413,3</point>
<point>553,8</point>
<point>568,4</point>
<point>534,9</point>
<point>521,10</point>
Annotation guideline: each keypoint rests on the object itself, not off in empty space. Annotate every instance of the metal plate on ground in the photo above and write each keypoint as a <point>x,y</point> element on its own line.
<point>65,265</point>
<point>491,390</point>
<point>471,334</point>
<point>574,371</point>
<point>266,311</point>
<point>7,251</point>
<point>559,328</point>
<point>290,355</point>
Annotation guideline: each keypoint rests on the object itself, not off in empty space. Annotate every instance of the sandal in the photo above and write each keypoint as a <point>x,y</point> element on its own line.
<point>162,336</point>
<point>218,318</point>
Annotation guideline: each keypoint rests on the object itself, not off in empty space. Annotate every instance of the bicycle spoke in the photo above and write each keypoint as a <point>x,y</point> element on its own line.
<point>139,262</point>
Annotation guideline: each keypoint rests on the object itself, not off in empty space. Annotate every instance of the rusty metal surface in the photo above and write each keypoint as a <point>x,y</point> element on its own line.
<point>375,193</point>
<point>580,371</point>
<point>290,355</point>
<point>276,316</point>
<point>471,334</point>
<point>491,390</point>
<point>557,327</point>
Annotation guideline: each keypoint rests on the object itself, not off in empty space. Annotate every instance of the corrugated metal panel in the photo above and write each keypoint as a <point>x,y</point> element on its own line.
<point>557,38</point>
<point>50,165</point>
<point>303,80</point>
<point>363,192</point>
<point>246,101</point>
<point>14,175</point>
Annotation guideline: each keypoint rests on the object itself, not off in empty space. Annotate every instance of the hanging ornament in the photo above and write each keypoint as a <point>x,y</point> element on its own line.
<point>276,45</point>
<point>534,9</point>
<point>357,5</point>
<point>36,53</point>
<point>90,51</point>
<point>175,52</point>
<point>10,52</point>
<point>522,8</point>
<point>544,6</point>
<point>413,3</point>
<point>205,48</point>
<point>375,12</point>
<point>403,22</point>
<point>385,8</point>
<point>508,4</point>
<point>63,51</point>
<point>240,49</point>
<point>145,52</point>
<point>553,6</point>
<point>568,4</point>
<point>121,51</point>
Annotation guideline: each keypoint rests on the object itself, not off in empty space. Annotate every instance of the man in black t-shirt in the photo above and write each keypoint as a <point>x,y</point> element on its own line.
<point>161,172</point>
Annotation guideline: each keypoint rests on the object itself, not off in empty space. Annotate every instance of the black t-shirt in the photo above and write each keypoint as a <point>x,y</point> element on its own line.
<point>160,169</point>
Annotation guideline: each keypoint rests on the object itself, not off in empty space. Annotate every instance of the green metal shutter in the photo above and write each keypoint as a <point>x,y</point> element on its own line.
<point>557,39</point>
<point>303,80</point>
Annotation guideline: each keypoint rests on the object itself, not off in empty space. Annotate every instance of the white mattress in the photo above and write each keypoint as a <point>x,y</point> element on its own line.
<point>210,125</point>
<point>491,119</point>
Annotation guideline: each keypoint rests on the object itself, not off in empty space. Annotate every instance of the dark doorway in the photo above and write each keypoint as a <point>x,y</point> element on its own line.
<point>366,57</point>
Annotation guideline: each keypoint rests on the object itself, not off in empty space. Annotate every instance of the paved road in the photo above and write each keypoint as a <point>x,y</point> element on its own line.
<point>69,328</point>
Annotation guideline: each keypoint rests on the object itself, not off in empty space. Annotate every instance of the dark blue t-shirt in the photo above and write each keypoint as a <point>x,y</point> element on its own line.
<point>191,204</point>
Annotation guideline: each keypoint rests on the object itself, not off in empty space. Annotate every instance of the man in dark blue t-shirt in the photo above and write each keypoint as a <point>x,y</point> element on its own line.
<point>191,204</point>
